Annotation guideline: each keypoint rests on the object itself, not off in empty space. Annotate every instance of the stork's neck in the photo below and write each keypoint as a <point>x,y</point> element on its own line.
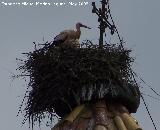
<point>78,32</point>
<point>78,29</point>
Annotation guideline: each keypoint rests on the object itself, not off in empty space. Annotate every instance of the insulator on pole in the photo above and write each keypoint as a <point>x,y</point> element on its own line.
<point>112,29</point>
<point>93,4</point>
<point>99,19</point>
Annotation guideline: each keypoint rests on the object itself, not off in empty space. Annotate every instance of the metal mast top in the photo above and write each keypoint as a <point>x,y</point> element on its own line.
<point>103,19</point>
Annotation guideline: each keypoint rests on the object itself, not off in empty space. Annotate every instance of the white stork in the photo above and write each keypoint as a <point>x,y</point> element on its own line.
<point>70,36</point>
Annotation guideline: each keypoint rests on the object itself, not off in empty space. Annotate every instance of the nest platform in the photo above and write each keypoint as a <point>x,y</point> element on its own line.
<point>63,77</point>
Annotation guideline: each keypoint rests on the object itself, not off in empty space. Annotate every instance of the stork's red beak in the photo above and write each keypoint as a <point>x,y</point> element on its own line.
<point>86,26</point>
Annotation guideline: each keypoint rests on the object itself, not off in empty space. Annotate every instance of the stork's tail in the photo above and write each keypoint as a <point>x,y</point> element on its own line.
<point>59,39</point>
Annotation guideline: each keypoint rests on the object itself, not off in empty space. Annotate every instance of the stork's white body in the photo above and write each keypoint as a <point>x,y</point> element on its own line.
<point>67,35</point>
<point>70,35</point>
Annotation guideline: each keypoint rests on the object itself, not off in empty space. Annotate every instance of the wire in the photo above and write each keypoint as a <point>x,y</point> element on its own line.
<point>148,112</point>
<point>150,96</point>
<point>132,73</point>
<point>121,41</point>
<point>143,101</point>
<point>146,84</point>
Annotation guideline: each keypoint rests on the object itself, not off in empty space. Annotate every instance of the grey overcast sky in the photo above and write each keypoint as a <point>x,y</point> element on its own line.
<point>137,20</point>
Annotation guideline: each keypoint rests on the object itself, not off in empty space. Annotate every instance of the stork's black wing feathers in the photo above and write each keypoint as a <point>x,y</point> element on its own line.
<point>58,41</point>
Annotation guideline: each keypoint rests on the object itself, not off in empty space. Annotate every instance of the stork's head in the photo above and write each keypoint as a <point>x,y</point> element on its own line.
<point>78,25</point>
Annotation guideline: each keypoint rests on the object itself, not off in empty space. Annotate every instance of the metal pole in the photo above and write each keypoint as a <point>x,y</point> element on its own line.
<point>102,27</point>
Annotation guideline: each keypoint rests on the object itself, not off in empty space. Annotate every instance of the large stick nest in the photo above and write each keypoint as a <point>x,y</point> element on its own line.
<point>62,77</point>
